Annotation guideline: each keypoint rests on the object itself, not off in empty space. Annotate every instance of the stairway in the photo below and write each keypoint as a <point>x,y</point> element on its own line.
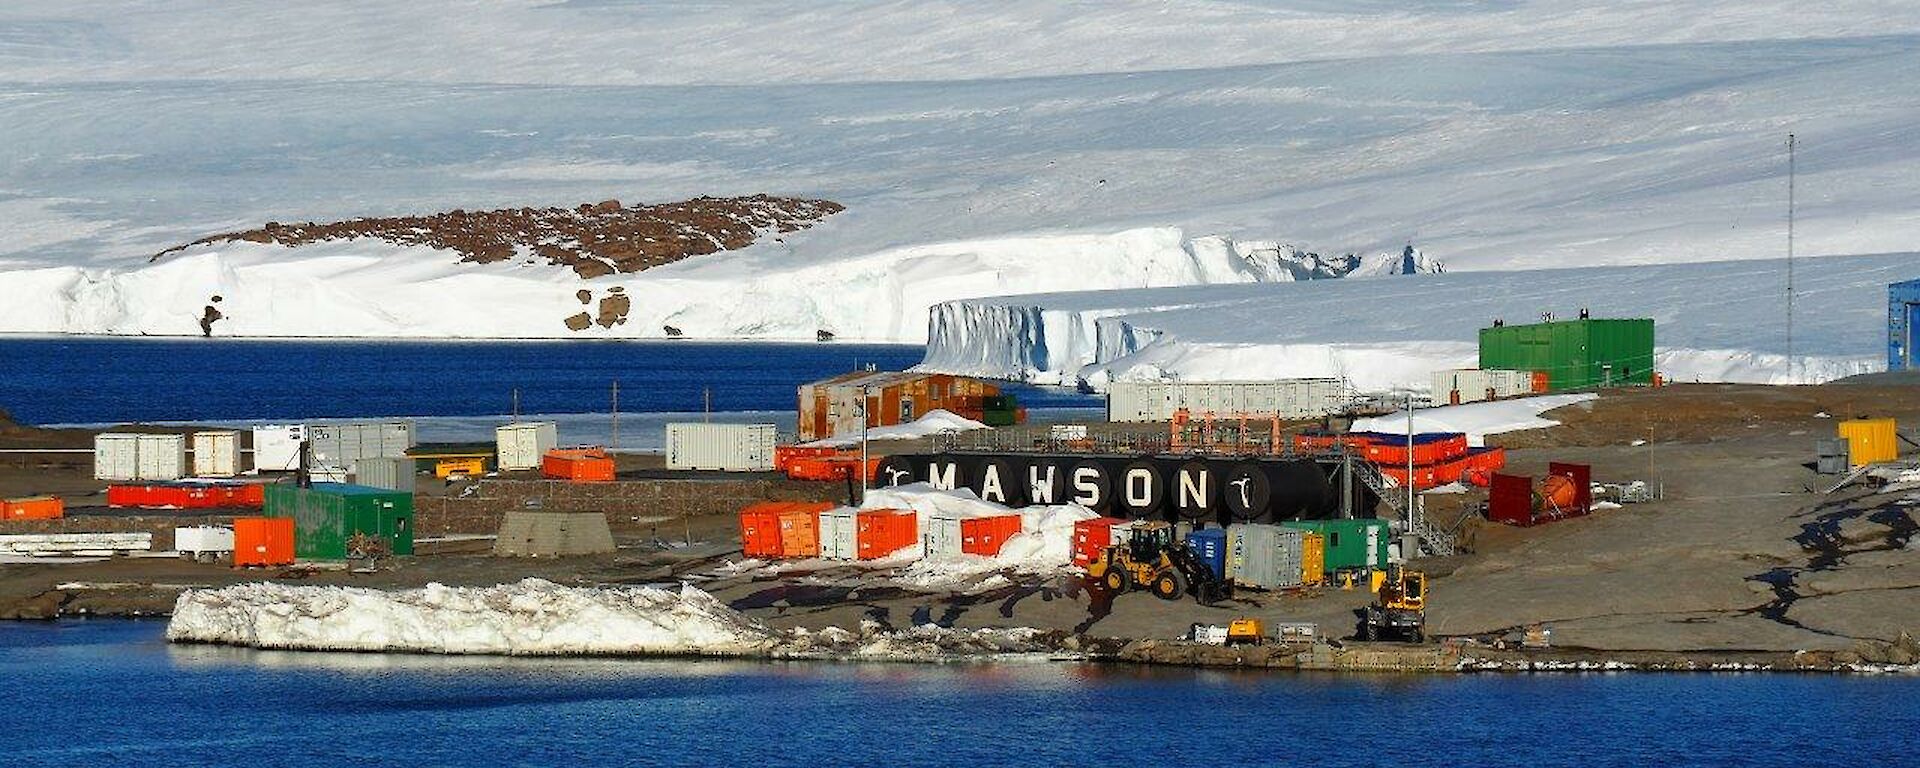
<point>1434,541</point>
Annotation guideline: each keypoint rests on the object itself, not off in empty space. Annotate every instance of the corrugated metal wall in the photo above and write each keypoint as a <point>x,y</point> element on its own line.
<point>1130,401</point>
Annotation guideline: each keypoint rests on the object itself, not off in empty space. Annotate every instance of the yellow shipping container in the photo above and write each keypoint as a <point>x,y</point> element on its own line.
<point>1870,441</point>
<point>1313,559</point>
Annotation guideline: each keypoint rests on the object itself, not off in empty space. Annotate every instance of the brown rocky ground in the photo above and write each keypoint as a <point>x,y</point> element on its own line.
<point>591,239</point>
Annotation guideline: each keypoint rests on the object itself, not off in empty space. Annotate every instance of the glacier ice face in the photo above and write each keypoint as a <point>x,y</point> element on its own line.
<point>375,289</point>
<point>1714,321</point>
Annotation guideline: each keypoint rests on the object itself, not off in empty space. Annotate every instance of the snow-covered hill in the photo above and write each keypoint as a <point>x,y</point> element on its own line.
<point>1518,134</point>
<point>1714,321</point>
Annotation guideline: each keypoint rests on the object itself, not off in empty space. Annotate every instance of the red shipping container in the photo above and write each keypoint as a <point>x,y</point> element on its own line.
<point>1431,451</point>
<point>187,495</point>
<point>882,532</point>
<point>800,529</point>
<point>986,535</point>
<point>266,541</point>
<point>759,532</point>
<point>1092,537</point>
<point>34,508</point>
<point>584,465</point>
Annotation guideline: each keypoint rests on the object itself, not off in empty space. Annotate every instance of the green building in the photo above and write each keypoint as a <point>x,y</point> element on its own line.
<point>326,515</point>
<point>1359,543</point>
<point>1575,354</point>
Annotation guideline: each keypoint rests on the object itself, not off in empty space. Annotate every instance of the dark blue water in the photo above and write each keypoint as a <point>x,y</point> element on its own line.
<point>92,380</point>
<point>112,693</point>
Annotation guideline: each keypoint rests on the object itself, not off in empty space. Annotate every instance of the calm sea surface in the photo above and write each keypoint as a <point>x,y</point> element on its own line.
<point>111,380</point>
<point>111,692</point>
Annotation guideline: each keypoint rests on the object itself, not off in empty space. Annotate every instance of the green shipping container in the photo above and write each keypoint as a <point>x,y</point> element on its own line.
<point>1575,354</point>
<point>1350,543</point>
<point>328,514</point>
<point>998,418</point>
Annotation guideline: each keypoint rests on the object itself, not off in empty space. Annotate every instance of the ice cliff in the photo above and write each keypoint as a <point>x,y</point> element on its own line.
<point>1714,321</point>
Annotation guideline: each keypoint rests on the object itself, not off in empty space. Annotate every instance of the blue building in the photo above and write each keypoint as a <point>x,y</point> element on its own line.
<point>1903,325</point>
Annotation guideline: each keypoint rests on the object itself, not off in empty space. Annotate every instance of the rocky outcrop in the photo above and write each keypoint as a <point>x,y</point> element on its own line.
<point>592,239</point>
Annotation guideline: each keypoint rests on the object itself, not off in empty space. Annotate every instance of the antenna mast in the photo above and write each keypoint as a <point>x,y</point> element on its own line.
<point>1792,364</point>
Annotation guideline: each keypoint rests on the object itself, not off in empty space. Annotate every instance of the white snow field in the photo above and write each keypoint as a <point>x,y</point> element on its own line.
<point>1719,321</point>
<point>982,148</point>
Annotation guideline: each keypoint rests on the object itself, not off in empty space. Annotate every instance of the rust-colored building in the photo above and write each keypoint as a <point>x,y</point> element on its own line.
<point>832,407</point>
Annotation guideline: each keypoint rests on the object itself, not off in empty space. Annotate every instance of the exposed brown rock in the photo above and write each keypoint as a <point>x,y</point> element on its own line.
<point>578,322</point>
<point>614,309</point>
<point>592,239</point>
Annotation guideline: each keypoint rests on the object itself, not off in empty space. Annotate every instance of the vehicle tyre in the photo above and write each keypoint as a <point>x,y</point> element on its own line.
<point>1116,579</point>
<point>1170,585</point>
<point>1370,631</point>
<point>1419,635</point>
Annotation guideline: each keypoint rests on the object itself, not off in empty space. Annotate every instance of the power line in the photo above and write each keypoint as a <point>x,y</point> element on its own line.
<point>1791,172</point>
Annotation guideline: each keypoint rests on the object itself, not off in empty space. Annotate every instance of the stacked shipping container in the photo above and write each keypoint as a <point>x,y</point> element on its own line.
<point>1472,385</point>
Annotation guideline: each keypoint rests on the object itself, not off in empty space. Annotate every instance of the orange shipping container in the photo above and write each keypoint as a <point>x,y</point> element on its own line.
<point>986,535</point>
<point>35,508</point>
<point>585,465</point>
<point>264,541</point>
<point>882,532</point>
<point>800,530</point>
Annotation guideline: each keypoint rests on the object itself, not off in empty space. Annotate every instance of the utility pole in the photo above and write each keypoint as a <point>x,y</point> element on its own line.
<point>1412,514</point>
<point>706,405</point>
<point>865,393</point>
<point>616,416</point>
<point>1792,364</point>
<point>516,405</point>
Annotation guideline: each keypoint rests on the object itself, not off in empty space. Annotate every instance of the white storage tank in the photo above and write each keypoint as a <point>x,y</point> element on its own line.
<point>216,453</point>
<point>522,445</point>
<point>116,456</point>
<point>162,457</point>
<point>1288,398</point>
<point>728,447</point>
<point>276,447</point>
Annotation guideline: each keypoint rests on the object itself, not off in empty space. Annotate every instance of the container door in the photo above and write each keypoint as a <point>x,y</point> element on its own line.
<point>1913,320</point>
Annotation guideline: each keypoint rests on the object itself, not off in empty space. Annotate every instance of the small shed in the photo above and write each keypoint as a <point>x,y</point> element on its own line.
<point>525,533</point>
<point>1903,315</point>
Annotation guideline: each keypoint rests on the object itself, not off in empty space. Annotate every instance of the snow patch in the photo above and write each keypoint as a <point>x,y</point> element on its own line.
<point>1477,420</point>
<point>935,422</point>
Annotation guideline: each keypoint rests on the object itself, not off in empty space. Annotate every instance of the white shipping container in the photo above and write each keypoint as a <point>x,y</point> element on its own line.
<point>1472,385</point>
<point>276,447</point>
<point>1287,398</point>
<point>522,445</point>
<point>839,534</point>
<point>216,453</point>
<point>941,534</point>
<point>162,457</point>
<point>326,474</point>
<point>202,538</point>
<point>116,456</point>
<point>728,447</point>
<point>344,443</point>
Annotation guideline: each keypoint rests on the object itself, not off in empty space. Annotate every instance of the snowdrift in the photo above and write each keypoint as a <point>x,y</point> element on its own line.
<point>1044,546</point>
<point>1477,420</point>
<point>929,424</point>
<point>531,617</point>
<point>1714,321</point>
<point>539,618</point>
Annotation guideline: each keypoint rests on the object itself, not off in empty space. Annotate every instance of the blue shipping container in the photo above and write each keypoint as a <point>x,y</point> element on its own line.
<point>1903,325</point>
<point>1422,438</point>
<point>1211,545</point>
